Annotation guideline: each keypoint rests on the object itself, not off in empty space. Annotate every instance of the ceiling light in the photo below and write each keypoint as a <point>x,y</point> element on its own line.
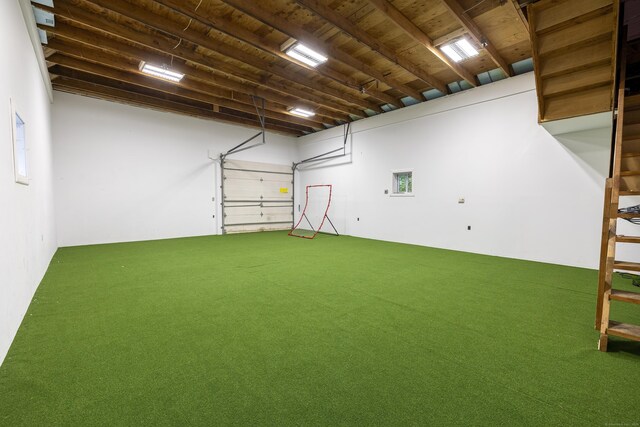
<point>304,54</point>
<point>301,112</point>
<point>160,72</point>
<point>459,50</point>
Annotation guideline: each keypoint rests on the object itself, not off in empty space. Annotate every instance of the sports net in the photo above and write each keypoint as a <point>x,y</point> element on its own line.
<point>314,218</point>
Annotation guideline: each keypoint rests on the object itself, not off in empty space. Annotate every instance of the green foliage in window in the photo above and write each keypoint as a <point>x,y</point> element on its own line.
<point>403,182</point>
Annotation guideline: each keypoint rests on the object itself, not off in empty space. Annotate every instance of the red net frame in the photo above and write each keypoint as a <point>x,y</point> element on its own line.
<point>325,217</point>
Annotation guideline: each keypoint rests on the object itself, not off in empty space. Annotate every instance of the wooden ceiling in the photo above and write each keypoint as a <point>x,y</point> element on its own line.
<point>380,52</point>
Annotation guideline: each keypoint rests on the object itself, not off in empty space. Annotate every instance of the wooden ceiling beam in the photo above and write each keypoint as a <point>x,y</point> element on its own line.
<point>65,84</point>
<point>190,35</point>
<point>89,38</point>
<point>295,31</point>
<point>465,20</point>
<point>450,36</point>
<point>161,44</point>
<point>319,104</point>
<point>196,80</point>
<point>61,71</point>
<point>217,96</point>
<point>363,37</point>
<point>243,118</point>
<point>187,90</point>
<point>520,12</point>
<point>418,35</point>
<point>236,31</point>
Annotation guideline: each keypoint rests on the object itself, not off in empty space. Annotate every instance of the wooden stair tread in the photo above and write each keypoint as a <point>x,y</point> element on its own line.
<point>628,215</point>
<point>626,296</point>
<point>631,154</point>
<point>631,102</point>
<point>579,81</point>
<point>594,100</point>
<point>560,15</point>
<point>578,59</point>
<point>625,265</point>
<point>630,184</point>
<point>631,115</point>
<point>627,239</point>
<point>575,36</point>
<point>630,173</point>
<point>624,330</point>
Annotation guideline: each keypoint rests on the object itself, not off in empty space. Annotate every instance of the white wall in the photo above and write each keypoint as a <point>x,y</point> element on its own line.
<point>527,194</point>
<point>27,231</point>
<point>125,173</point>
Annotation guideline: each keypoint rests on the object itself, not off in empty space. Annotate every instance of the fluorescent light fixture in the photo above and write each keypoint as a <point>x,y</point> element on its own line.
<point>160,72</point>
<point>301,112</point>
<point>466,47</point>
<point>459,50</point>
<point>448,50</point>
<point>303,54</point>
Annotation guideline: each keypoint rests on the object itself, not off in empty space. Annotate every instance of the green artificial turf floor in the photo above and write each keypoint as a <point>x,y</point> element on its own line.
<point>272,330</point>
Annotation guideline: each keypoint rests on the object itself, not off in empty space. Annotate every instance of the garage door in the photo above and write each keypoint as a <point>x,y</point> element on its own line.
<point>256,196</point>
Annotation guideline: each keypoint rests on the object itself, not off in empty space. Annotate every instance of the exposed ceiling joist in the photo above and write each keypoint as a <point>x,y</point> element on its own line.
<point>232,52</point>
<point>449,37</point>
<point>520,12</point>
<point>239,33</point>
<point>465,20</point>
<point>208,83</point>
<point>418,35</point>
<point>92,39</point>
<point>291,29</point>
<point>168,46</point>
<point>191,90</point>
<point>363,37</point>
<point>188,34</point>
<point>73,85</point>
<point>65,78</point>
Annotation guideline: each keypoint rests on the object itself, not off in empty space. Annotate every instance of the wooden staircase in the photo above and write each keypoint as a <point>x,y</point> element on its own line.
<point>574,51</point>
<point>624,181</point>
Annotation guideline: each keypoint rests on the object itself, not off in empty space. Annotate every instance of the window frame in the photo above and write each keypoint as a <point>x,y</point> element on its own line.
<point>394,183</point>
<point>15,128</point>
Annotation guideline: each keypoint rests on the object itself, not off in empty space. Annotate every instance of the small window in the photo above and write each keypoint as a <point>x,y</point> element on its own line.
<point>403,183</point>
<point>19,147</point>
